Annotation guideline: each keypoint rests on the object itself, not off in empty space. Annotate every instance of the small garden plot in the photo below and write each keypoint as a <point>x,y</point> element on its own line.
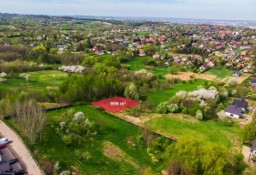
<point>220,73</point>
<point>186,76</point>
<point>116,104</point>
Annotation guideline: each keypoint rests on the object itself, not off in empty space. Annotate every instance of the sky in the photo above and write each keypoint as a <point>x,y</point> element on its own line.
<point>198,9</point>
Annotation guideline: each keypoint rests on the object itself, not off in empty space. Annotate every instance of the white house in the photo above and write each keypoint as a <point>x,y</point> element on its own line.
<point>233,111</point>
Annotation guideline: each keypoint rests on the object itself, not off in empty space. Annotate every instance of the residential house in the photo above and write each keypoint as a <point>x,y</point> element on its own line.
<point>184,59</point>
<point>61,50</point>
<point>141,53</point>
<point>245,52</point>
<point>237,73</point>
<point>229,63</point>
<point>253,82</point>
<point>176,58</point>
<point>240,65</point>
<point>242,103</point>
<point>253,152</point>
<point>248,69</point>
<point>156,56</point>
<point>234,111</point>
<point>211,63</point>
<point>99,52</point>
<point>239,59</point>
<point>168,62</point>
<point>204,67</point>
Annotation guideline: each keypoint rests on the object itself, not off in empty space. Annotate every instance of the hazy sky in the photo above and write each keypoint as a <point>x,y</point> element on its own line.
<point>203,9</point>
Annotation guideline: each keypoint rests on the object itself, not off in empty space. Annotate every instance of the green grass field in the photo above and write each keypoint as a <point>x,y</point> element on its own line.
<point>164,95</point>
<point>220,73</point>
<point>109,129</point>
<point>39,81</point>
<point>4,27</point>
<point>160,71</point>
<point>211,131</point>
<point>137,64</point>
<point>146,32</point>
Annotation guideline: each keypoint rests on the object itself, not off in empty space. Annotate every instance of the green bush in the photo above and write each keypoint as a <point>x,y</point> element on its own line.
<point>228,122</point>
<point>162,108</point>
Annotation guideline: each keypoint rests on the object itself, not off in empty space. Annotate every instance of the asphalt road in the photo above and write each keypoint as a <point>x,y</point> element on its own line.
<point>20,148</point>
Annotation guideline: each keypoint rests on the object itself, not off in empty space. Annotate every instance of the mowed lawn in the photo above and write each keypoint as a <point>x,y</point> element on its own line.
<point>109,129</point>
<point>212,131</point>
<point>161,71</point>
<point>39,81</point>
<point>136,63</point>
<point>220,73</point>
<point>164,95</point>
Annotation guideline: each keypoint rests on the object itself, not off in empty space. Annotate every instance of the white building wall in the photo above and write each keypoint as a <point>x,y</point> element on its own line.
<point>232,115</point>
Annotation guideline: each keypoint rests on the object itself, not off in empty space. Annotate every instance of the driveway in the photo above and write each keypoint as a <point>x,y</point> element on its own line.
<point>20,148</point>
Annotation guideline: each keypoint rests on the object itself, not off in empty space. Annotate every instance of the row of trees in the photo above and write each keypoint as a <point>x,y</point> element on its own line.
<point>11,53</point>
<point>28,115</point>
<point>74,128</point>
<point>192,156</point>
<point>249,132</point>
<point>90,86</point>
<point>200,103</point>
<point>21,66</point>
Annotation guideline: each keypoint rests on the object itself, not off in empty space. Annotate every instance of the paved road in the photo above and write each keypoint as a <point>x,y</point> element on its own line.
<point>21,150</point>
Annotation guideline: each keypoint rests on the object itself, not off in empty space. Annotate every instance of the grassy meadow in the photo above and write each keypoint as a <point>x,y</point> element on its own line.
<point>164,95</point>
<point>110,130</point>
<point>220,73</point>
<point>39,81</point>
<point>212,131</point>
<point>137,64</point>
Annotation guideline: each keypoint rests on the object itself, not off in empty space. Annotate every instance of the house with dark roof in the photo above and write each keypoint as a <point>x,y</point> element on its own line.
<point>242,103</point>
<point>5,167</point>
<point>237,73</point>
<point>233,111</point>
<point>253,82</point>
<point>204,67</point>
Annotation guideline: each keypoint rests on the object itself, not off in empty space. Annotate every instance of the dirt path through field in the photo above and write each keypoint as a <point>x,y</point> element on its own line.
<point>246,153</point>
<point>186,76</point>
<point>20,148</point>
<point>115,153</point>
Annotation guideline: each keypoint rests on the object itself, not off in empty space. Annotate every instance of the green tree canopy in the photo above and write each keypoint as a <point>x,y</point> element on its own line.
<point>191,156</point>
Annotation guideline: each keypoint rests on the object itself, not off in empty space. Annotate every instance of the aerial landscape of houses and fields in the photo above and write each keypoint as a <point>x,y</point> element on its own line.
<point>85,90</point>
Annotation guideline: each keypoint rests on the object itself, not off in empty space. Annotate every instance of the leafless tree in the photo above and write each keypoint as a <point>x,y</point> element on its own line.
<point>30,117</point>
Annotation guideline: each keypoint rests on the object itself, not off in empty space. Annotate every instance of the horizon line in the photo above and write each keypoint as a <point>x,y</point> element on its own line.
<point>117,16</point>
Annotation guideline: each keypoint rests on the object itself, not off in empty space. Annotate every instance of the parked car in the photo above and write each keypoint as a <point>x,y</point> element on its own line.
<point>3,146</point>
<point>12,161</point>
<point>4,141</point>
<point>19,172</point>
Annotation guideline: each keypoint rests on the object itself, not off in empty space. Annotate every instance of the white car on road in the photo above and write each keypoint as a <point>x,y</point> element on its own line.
<point>4,141</point>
